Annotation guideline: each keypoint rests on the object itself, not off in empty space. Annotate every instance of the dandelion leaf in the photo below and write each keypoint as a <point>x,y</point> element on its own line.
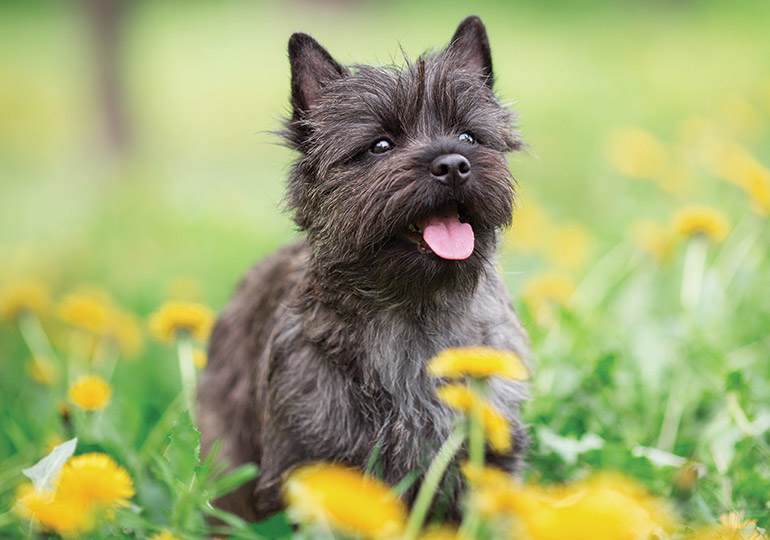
<point>183,451</point>
<point>45,470</point>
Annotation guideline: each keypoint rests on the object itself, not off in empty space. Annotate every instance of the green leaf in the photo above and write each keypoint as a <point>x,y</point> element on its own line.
<point>183,452</point>
<point>47,468</point>
<point>233,480</point>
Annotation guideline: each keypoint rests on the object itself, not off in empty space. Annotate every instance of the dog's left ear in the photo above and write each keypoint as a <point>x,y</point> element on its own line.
<point>470,46</point>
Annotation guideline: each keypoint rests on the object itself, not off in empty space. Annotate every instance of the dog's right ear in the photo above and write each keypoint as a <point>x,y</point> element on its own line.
<point>311,68</point>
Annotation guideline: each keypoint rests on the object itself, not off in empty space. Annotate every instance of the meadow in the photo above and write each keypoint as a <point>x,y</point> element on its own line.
<point>638,260</point>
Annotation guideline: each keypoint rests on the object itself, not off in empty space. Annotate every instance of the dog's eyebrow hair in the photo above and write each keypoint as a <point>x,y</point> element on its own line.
<point>420,85</point>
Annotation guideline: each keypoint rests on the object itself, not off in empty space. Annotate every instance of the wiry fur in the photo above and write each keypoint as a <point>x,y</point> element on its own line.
<point>321,353</point>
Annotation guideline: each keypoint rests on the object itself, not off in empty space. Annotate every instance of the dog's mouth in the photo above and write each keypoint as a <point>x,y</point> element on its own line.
<point>444,233</point>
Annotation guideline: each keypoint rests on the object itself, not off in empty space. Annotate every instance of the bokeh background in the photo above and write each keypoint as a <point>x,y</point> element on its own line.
<point>137,154</point>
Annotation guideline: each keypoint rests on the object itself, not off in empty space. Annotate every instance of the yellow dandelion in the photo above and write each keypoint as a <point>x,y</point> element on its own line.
<point>90,393</point>
<point>654,239</point>
<point>636,152</point>
<point>124,329</point>
<point>531,226</point>
<point>478,362</point>
<point>604,507</point>
<point>496,428</point>
<point>567,246</point>
<point>200,358</point>
<point>66,517</point>
<point>757,187</point>
<point>23,296</point>
<point>490,488</point>
<point>173,318</point>
<point>734,521</point>
<point>701,221</point>
<point>43,370</point>
<point>185,288</point>
<point>344,499</point>
<point>164,535</point>
<point>545,292</point>
<point>88,310</point>
<point>95,481</point>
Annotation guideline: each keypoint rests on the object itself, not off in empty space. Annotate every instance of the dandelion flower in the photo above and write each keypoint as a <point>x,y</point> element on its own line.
<point>23,296</point>
<point>43,371</point>
<point>96,481</point>
<point>90,392</point>
<point>164,535</point>
<point>123,328</point>
<point>531,224</point>
<point>701,221</point>
<point>544,292</point>
<point>443,533</point>
<point>567,246</point>
<point>604,507</point>
<point>88,310</point>
<point>344,499</point>
<point>66,517</point>
<point>478,362</point>
<point>173,318</point>
<point>496,427</point>
<point>654,239</point>
<point>636,152</point>
<point>734,522</point>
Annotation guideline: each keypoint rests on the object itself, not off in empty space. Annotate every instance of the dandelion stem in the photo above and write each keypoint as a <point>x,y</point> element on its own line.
<point>476,431</point>
<point>432,480</point>
<point>692,274</point>
<point>672,416</point>
<point>187,372</point>
<point>34,335</point>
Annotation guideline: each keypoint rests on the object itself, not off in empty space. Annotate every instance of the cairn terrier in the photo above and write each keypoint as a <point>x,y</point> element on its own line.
<point>401,188</point>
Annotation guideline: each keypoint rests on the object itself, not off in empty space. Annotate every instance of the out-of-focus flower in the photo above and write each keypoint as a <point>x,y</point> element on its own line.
<point>636,152</point>
<point>345,500</point>
<point>496,428</point>
<point>731,526</point>
<point>90,393</point>
<point>175,318</point>
<point>164,535</point>
<point>701,221</point>
<point>734,164</point>
<point>603,507</point>
<point>654,239</point>
<point>544,292</point>
<point>124,329</point>
<point>478,362</point>
<point>95,481</point>
<point>567,246</point>
<point>43,370</point>
<point>531,227</point>
<point>200,358</point>
<point>66,517</point>
<point>88,310</point>
<point>184,288</point>
<point>23,296</point>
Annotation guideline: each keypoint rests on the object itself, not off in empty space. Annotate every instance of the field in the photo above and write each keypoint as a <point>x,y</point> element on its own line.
<point>638,260</point>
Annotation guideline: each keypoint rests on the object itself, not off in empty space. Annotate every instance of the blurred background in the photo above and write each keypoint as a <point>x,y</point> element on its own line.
<point>137,154</point>
<point>135,136</point>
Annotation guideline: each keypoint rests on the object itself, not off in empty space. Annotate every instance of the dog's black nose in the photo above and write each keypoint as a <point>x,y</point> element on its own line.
<point>451,169</point>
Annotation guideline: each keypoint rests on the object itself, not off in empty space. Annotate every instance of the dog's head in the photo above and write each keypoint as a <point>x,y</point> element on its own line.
<point>402,184</point>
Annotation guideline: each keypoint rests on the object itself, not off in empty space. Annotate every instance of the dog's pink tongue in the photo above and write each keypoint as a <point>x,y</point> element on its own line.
<point>448,237</point>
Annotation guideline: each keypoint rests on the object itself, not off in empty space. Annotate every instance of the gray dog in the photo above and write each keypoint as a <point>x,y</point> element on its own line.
<point>402,188</point>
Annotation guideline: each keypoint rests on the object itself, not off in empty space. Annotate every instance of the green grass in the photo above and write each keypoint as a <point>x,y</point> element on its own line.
<point>199,196</point>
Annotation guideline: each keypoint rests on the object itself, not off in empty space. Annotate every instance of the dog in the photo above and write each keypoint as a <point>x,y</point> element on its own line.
<point>401,188</point>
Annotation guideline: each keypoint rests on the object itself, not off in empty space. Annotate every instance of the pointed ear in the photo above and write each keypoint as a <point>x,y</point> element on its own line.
<point>311,68</point>
<point>471,47</point>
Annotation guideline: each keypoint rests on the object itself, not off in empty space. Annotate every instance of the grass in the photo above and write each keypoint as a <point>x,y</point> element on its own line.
<point>632,373</point>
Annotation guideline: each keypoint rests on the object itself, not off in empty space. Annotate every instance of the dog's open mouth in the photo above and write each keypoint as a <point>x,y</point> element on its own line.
<point>444,234</point>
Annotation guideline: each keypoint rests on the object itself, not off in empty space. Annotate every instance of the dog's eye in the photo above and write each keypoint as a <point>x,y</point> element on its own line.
<point>466,138</point>
<point>381,146</point>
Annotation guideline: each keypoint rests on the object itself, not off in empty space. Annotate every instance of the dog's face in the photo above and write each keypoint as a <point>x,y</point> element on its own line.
<point>403,181</point>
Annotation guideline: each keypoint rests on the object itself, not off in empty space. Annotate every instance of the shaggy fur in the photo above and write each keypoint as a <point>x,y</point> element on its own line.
<point>321,353</point>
